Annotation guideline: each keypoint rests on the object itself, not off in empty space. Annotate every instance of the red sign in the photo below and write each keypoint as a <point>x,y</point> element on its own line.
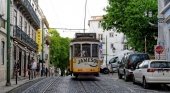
<point>159,49</point>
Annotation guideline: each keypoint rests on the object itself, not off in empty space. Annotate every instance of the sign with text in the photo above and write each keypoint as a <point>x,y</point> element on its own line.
<point>39,39</point>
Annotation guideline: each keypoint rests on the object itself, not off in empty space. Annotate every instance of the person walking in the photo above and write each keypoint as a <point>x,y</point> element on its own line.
<point>46,71</point>
<point>33,68</point>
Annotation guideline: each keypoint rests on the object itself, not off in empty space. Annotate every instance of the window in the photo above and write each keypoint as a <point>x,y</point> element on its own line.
<point>166,2</point>
<point>86,50</point>
<point>2,51</point>
<point>20,22</point>
<point>77,49</point>
<point>25,27</point>
<point>99,24</point>
<point>95,50</point>
<point>15,17</point>
<point>111,34</point>
<point>29,32</point>
<point>2,23</point>
<point>160,64</point>
<point>100,36</point>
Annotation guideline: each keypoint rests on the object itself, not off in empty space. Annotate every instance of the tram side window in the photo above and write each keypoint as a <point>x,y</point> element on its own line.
<point>95,50</point>
<point>71,51</point>
<point>86,50</point>
<point>77,52</point>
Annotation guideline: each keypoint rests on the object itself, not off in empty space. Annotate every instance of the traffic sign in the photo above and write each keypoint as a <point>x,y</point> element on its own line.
<point>159,49</point>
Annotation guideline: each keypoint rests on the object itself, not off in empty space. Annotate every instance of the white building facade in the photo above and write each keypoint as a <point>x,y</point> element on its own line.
<point>3,44</point>
<point>112,42</point>
<point>164,27</point>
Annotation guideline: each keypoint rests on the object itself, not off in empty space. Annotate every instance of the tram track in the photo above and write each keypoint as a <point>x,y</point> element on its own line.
<point>93,85</point>
<point>49,85</point>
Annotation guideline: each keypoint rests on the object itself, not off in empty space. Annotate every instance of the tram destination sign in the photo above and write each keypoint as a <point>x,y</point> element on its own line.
<point>91,35</point>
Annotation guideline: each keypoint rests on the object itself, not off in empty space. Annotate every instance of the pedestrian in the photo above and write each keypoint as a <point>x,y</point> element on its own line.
<point>46,71</point>
<point>38,69</point>
<point>29,70</point>
<point>16,70</point>
<point>33,68</point>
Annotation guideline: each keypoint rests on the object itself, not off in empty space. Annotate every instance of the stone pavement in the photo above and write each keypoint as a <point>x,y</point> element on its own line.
<point>21,80</point>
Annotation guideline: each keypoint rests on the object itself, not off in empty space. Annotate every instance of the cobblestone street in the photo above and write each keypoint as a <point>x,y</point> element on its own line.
<point>103,84</point>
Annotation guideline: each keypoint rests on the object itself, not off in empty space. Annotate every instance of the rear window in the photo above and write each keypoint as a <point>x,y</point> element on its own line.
<point>160,64</point>
<point>138,57</point>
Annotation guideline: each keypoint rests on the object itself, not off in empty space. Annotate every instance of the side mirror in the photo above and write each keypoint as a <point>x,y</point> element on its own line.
<point>137,67</point>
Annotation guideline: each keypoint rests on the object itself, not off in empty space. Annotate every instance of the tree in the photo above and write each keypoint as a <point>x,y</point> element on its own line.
<point>59,50</point>
<point>129,17</point>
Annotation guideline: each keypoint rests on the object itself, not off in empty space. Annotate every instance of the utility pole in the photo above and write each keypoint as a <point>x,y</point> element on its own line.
<point>8,83</point>
<point>85,16</point>
<point>42,72</point>
<point>145,45</point>
<point>106,50</point>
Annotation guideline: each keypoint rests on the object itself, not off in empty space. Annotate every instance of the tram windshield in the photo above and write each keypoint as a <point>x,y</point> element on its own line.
<point>86,50</point>
<point>94,50</point>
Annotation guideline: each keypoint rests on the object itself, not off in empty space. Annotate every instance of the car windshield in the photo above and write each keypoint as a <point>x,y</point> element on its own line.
<point>139,57</point>
<point>160,64</point>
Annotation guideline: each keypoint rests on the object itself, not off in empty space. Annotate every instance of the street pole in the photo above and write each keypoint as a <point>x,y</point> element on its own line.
<point>145,45</point>
<point>42,72</point>
<point>106,50</point>
<point>85,16</point>
<point>8,83</point>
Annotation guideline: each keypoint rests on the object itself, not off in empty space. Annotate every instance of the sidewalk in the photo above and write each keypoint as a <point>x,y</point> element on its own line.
<point>21,80</point>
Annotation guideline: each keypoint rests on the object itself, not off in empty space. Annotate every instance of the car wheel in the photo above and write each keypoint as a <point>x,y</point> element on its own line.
<point>145,84</point>
<point>119,75</point>
<point>106,71</point>
<point>134,81</point>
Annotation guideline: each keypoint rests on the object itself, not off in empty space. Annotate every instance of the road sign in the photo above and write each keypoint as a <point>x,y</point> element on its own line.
<point>159,49</point>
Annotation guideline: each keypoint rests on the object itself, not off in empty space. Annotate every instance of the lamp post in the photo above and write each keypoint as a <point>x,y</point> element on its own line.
<point>42,71</point>
<point>8,82</point>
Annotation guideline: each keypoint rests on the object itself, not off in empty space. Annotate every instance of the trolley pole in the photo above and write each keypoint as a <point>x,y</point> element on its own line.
<point>8,83</point>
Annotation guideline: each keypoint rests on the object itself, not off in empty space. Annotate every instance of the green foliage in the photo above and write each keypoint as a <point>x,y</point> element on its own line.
<point>128,16</point>
<point>59,50</point>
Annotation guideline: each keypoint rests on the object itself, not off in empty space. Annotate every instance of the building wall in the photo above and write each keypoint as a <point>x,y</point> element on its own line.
<point>164,27</point>
<point>2,40</point>
<point>114,39</point>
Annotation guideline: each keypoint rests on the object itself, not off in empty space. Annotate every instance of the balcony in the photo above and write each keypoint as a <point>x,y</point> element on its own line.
<point>24,38</point>
<point>27,10</point>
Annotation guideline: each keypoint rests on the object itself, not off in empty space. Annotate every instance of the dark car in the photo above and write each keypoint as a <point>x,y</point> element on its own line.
<point>128,64</point>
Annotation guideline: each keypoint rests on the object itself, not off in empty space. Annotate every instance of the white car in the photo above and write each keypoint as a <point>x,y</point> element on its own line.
<point>152,71</point>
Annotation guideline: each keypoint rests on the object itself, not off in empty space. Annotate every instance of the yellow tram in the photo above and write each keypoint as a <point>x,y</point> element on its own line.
<point>84,55</point>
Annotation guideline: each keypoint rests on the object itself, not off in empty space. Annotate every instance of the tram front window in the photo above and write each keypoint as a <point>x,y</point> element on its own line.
<point>77,50</point>
<point>86,50</point>
<point>95,50</point>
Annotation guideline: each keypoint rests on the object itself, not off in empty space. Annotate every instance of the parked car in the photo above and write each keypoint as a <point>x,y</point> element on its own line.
<point>113,64</point>
<point>104,69</point>
<point>152,71</point>
<point>128,64</point>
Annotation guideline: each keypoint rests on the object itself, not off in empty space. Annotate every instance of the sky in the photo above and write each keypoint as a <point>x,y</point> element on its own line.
<point>70,14</point>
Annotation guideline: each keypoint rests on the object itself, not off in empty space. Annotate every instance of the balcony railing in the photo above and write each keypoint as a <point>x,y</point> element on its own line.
<point>23,37</point>
<point>28,11</point>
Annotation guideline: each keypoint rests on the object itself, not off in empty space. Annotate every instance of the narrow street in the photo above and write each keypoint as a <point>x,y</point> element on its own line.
<point>103,84</point>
